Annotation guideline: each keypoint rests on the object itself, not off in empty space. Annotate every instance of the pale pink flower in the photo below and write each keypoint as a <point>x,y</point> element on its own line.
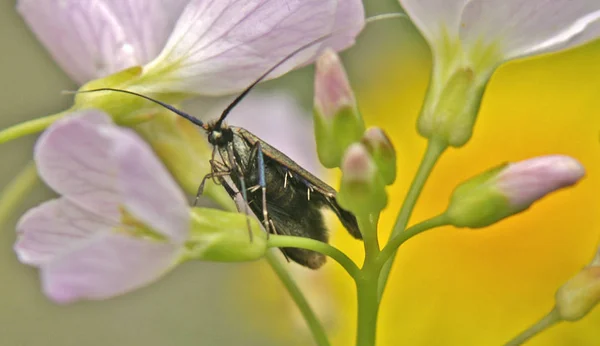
<point>469,39</point>
<point>121,221</point>
<point>207,47</point>
<point>515,28</point>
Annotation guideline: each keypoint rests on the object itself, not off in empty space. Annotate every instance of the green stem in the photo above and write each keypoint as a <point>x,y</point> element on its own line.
<point>434,151</point>
<point>368,307</point>
<point>315,245</point>
<point>366,283</point>
<point>396,241</point>
<point>368,227</point>
<point>309,316</point>
<point>16,191</point>
<point>546,322</point>
<point>29,127</point>
<point>284,276</point>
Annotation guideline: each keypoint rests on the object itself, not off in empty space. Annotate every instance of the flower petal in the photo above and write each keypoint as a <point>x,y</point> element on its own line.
<point>101,167</point>
<point>526,27</point>
<point>91,39</point>
<point>107,266</point>
<point>73,158</point>
<point>220,47</point>
<point>435,18</point>
<point>54,228</point>
<point>148,190</point>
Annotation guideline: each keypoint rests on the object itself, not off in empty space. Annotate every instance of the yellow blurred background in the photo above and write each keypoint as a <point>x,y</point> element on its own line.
<point>448,287</point>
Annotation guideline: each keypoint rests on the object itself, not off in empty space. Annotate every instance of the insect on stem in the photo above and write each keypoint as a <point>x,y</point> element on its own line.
<point>288,198</point>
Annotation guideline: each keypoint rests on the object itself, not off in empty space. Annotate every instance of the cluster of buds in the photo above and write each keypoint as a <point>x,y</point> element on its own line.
<point>368,162</point>
<point>366,157</point>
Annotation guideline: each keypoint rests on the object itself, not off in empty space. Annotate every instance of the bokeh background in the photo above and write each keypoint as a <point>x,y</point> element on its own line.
<point>448,287</point>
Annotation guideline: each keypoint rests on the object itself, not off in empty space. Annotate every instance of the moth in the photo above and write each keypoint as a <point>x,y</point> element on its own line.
<point>288,199</point>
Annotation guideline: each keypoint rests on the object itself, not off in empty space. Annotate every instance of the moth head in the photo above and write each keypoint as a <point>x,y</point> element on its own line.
<point>219,134</point>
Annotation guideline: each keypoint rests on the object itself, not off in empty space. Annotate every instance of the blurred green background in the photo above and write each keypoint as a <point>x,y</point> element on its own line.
<point>449,287</point>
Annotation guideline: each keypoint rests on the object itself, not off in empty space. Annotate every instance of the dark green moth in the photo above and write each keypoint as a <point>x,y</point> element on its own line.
<point>287,198</point>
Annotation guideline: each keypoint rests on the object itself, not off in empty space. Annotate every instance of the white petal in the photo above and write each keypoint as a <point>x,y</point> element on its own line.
<point>288,127</point>
<point>526,27</point>
<point>55,228</point>
<point>147,189</point>
<point>73,158</point>
<point>91,39</point>
<point>107,266</point>
<point>220,47</point>
<point>435,17</point>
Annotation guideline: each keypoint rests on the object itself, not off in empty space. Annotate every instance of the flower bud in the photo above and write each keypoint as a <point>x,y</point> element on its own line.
<point>450,109</point>
<point>336,118</point>
<point>362,190</point>
<point>509,189</point>
<point>225,237</point>
<point>382,151</point>
<point>579,295</point>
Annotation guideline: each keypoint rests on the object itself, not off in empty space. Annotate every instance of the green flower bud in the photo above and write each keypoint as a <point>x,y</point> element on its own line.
<point>225,237</point>
<point>458,81</point>
<point>382,151</point>
<point>509,189</point>
<point>362,190</point>
<point>337,120</point>
<point>578,296</point>
<point>452,118</point>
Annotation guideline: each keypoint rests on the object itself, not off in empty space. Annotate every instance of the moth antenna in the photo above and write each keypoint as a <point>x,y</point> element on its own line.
<point>181,113</point>
<point>241,96</point>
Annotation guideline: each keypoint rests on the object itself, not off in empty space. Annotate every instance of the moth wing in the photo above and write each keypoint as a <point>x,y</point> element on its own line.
<point>320,187</point>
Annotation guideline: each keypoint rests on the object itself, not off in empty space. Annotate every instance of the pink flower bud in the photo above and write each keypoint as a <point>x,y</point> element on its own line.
<point>526,181</point>
<point>332,89</point>
<point>381,149</point>
<point>509,189</point>
<point>357,165</point>
<point>362,190</point>
<point>337,120</point>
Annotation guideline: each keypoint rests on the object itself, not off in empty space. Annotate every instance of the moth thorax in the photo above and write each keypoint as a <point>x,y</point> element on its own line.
<point>220,136</point>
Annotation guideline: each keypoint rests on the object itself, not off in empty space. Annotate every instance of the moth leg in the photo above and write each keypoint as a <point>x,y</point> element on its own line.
<point>242,180</point>
<point>217,167</point>
<point>262,182</point>
<point>206,177</point>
